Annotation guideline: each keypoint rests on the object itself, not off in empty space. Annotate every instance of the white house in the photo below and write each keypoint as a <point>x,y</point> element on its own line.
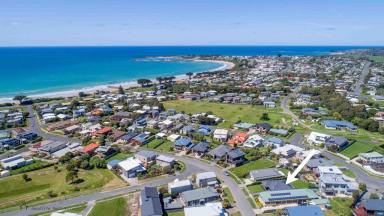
<point>316,138</point>
<point>178,186</point>
<point>254,141</point>
<point>220,134</point>
<point>372,158</point>
<point>130,167</point>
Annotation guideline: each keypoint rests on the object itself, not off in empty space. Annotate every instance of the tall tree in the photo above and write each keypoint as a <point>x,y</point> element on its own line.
<point>189,74</point>
<point>121,90</point>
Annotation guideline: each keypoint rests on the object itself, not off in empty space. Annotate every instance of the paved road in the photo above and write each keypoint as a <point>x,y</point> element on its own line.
<point>34,126</point>
<point>360,82</point>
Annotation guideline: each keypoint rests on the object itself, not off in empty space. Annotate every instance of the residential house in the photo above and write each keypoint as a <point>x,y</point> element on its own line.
<point>316,138</point>
<point>307,210</point>
<point>254,141</point>
<point>150,204</point>
<point>221,134</point>
<point>199,196</point>
<point>90,148</point>
<point>263,128</point>
<point>293,196</point>
<point>372,158</point>
<point>178,186</point>
<point>338,125</point>
<point>275,185</point>
<point>146,157</point>
<point>287,150</point>
<point>274,142</point>
<point>14,162</point>
<point>209,209</point>
<point>370,207</point>
<point>131,167</point>
<point>53,147</point>
<point>336,143</point>
<point>238,138</point>
<point>200,148</point>
<point>141,139</point>
<point>265,174</point>
<point>183,144</point>
<point>206,179</point>
<point>332,182</point>
<point>165,161</point>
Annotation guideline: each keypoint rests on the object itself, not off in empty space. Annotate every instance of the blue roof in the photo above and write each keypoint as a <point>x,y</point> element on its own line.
<point>113,163</point>
<point>337,123</point>
<point>183,141</point>
<point>309,210</point>
<point>276,140</point>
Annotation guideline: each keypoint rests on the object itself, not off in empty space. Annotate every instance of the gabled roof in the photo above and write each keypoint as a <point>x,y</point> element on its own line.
<point>309,210</point>
<point>150,202</point>
<point>220,151</point>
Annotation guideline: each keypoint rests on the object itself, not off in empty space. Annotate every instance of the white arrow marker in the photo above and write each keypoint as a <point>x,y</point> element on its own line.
<point>292,177</point>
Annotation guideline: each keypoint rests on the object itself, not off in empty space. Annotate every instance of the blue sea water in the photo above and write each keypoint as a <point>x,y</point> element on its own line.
<point>36,70</point>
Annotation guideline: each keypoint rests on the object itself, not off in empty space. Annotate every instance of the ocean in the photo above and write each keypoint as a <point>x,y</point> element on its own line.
<point>39,70</point>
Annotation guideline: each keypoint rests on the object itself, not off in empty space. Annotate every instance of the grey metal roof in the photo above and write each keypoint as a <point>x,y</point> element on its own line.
<point>314,163</point>
<point>150,202</point>
<point>269,173</point>
<point>374,204</point>
<point>198,194</point>
<point>220,151</point>
<point>275,185</point>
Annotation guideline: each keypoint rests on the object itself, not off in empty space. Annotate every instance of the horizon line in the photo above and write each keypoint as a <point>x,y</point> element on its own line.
<point>202,45</point>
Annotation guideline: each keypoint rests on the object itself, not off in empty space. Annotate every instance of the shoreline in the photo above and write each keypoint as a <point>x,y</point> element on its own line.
<point>127,84</point>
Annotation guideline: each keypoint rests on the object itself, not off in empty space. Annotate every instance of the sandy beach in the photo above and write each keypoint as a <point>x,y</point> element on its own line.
<point>74,92</point>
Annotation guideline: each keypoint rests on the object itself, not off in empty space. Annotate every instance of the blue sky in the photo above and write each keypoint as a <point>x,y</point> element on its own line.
<point>193,22</point>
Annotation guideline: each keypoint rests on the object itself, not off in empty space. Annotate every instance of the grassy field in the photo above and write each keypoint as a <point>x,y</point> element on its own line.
<point>340,207</point>
<point>236,214</point>
<point>257,188</point>
<point>113,207</point>
<point>120,156</point>
<point>356,148</point>
<point>15,190</point>
<point>232,113</point>
<point>243,170</point>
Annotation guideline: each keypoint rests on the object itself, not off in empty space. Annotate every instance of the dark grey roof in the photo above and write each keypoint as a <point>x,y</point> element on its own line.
<point>201,147</point>
<point>150,202</point>
<point>374,204</point>
<point>266,126</point>
<point>269,173</point>
<point>275,185</point>
<point>146,154</point>
<point>198,194</point>
<point>336,140</point>
<point>220,151</point>
<point>314,163</point>
<point>235,153</point>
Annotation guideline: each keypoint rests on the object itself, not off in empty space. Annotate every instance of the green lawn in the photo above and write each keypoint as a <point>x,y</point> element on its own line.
<point>243,170</point>
<point>356,148</point>
<point>153,143</point>
<point>14,189</point>
<point>232,112</point>
<point>341,206</point>
<point>228,195</point>
<point>113,207</point>
<point>298,184</point>
<point>256,188</point>
<point>120,156</point>
<point>236,214</point>
<point>175,213</point>
<point>165,146</point>
<point>349,173</point>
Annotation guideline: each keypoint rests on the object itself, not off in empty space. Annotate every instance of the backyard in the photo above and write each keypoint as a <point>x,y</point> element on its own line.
<point>243,170</point>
